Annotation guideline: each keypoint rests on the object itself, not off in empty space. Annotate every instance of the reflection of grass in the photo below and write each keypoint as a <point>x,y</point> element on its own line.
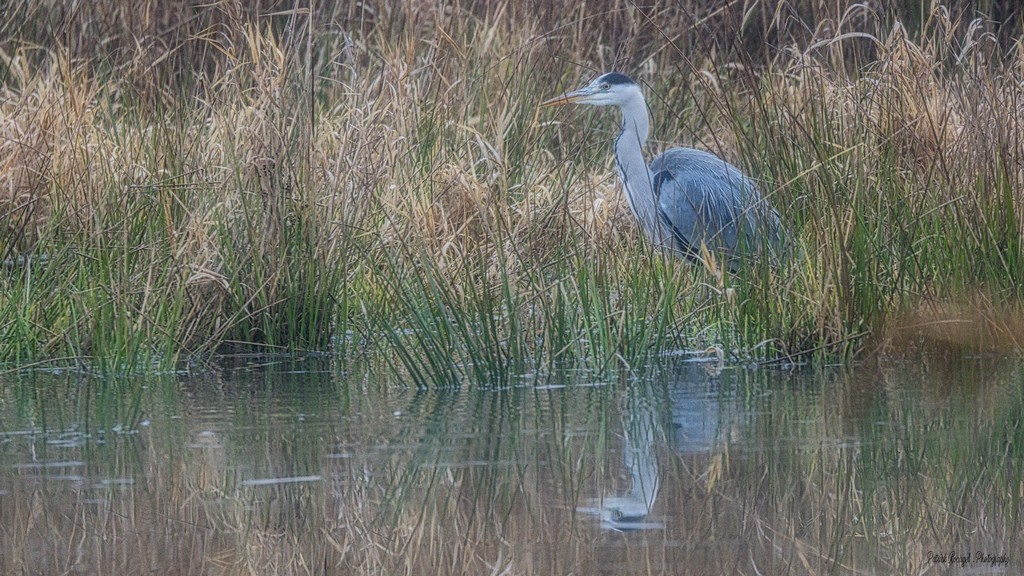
<point>881,469</point>
<point>208,178</point>
<point>857,475</point>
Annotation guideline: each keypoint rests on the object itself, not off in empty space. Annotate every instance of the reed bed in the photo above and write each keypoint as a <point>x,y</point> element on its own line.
<point>184,180</point>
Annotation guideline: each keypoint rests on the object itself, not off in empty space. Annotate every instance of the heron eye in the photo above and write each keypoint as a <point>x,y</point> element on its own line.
<point>605,86</point>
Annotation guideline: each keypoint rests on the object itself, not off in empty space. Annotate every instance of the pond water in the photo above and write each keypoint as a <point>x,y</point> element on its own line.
<point>298,467</point>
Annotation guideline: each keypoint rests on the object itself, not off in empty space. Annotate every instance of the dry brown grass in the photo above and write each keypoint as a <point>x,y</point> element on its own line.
<point>281,175</point>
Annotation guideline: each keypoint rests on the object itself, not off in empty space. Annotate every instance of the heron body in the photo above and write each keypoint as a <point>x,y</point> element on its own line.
<point>687,200</point>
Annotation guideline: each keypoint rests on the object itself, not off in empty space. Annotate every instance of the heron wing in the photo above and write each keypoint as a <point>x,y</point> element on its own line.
<point>677,224</point>
<point>700,199</point>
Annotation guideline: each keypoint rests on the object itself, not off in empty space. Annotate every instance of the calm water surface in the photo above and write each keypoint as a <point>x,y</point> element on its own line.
<point>299,468</point>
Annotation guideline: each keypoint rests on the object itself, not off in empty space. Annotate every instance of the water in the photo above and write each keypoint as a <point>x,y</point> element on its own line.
<point>300,468</point>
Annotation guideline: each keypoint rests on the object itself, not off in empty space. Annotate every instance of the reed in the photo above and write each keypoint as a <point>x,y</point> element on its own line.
<point>252,176</point>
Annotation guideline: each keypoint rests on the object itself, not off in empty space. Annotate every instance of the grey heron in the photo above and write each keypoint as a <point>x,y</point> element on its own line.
<point>687,200</point>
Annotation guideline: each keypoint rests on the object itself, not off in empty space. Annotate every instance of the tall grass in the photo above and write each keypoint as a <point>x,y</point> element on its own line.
<point>356,178</point>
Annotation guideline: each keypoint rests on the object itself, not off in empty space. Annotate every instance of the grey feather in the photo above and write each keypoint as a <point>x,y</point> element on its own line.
<point>705,200</point>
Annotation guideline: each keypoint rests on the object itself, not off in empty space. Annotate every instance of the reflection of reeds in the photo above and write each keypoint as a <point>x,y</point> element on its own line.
<point>217,177</point>
<point>849,474</point>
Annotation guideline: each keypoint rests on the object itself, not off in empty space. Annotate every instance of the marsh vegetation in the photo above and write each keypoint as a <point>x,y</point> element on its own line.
<point>375,178</point>
<point>458,353</point>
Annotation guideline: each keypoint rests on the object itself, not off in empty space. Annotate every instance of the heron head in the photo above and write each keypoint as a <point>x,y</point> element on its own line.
<point>611,89</point>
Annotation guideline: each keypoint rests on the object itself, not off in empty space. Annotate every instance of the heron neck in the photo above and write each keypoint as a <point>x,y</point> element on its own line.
<point>633,171</point>
<point>635,119</point>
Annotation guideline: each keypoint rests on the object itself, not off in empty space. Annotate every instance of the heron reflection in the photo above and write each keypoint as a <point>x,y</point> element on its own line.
<point>698,421</point>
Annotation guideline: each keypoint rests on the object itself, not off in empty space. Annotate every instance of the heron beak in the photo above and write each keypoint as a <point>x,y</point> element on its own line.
<point>568,98</point>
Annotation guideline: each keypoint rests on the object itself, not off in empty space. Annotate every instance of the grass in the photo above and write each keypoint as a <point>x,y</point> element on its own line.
<point>230,177</point>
